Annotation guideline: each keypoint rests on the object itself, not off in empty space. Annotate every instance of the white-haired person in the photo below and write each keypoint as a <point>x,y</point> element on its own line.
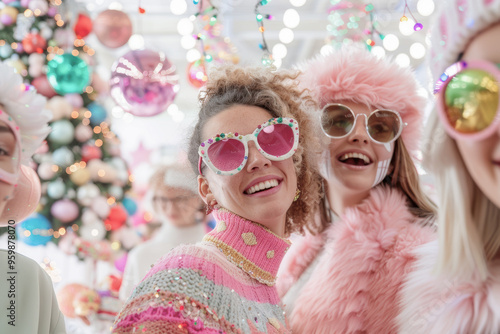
<point>173,192</point>
<point>27,301</point>
<point>346,275</point>
<point>456,287</point>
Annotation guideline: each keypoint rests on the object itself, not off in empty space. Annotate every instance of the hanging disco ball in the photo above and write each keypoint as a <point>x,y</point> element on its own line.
<point>143,82</point>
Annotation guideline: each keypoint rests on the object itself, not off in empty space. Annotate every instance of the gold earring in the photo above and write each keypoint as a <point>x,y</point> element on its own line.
<point>210,206</point>
<point>297,195</point>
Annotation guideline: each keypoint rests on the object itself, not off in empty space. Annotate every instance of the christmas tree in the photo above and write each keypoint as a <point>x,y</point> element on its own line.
<point>84,180</point>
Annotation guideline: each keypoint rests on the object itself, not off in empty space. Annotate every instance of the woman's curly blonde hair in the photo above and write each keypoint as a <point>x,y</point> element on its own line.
<point>278,93</point>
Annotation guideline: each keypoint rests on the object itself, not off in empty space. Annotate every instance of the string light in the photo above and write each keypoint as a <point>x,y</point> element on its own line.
<point>418,26</point>
<point>370,42</point>
<point>267,59</point>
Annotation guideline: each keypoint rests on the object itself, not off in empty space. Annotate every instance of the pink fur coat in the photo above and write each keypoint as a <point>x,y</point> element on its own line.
<point>355,286</point>
<point>435,305</point>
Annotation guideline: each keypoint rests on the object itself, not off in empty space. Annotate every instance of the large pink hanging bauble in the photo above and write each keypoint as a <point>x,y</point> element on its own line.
<point>113,28</point>
<point>143,82</point>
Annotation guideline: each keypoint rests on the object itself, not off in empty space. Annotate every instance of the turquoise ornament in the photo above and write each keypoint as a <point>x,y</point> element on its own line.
<point>68,74</point>
<point>99,114</point>
<point>34,231</point>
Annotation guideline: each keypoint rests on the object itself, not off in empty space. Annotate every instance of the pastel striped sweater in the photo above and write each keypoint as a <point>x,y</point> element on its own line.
<point>224,284</point>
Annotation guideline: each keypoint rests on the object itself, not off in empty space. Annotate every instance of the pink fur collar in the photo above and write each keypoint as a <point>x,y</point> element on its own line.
<point>366,254</point>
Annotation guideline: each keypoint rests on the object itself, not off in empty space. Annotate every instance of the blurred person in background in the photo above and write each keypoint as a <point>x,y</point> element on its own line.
<point>173,193</point>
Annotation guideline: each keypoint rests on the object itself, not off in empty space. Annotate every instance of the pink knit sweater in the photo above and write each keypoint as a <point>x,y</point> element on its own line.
<point>365,256</point>
<point>224,284</point>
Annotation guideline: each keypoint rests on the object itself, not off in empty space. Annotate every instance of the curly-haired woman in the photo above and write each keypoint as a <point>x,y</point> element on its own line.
<point>253,150</point>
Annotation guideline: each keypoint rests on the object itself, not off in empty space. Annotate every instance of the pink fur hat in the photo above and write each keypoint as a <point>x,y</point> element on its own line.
<point>356,75</point>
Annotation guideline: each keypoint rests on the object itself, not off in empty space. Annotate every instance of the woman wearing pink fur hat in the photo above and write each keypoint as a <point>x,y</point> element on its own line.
<point>456,286</point>
<point>347,277</point>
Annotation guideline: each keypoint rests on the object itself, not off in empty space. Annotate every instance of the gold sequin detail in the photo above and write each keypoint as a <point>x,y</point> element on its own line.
<point>249,238</point>
<point>270,254</point>
<point>241,261</point>
<point>221,226</point>
<point>275,323</point>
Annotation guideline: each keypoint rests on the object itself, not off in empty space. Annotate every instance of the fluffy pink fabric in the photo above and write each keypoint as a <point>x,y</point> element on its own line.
<point>298,258</point>
<point>354,288</point>
<point>436,305</point>
<point>357,75</point>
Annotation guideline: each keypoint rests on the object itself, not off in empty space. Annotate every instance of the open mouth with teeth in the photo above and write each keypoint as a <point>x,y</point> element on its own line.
<point>356,159</point>
<point>262,186</point>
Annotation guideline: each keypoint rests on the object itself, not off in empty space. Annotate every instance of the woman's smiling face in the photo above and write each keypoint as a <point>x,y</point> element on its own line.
<point>266,206</point>
<point>482,158</point>
<point>357,163</point>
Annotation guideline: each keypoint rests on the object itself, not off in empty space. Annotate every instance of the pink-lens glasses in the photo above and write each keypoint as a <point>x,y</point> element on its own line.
<point>227,153</point>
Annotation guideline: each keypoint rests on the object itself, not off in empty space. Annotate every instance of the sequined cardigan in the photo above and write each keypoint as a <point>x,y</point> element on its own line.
<point>223,284</point>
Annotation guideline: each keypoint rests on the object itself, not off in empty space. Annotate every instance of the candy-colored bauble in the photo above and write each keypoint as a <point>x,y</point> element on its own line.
<point>89,217</point>
<point>42,85</point>
<point>121,262</point>
<point>100,206</point>
<point>63,157</point>
<point>93,231</point>
<point>83,133</point>
<point>99,114</point>
<point>86,303</point>
<point>64,38</point>
<point>83,26</point>
<point>46,32</point>
<point>63,132</point>
<point>65,298</point>
<point>56,189</point>
<point>197,74</point>
<point>116,191</point>
<point>143,82</point>
<point>75,100</point>
<point>60,108</point>
<point>36,62</point>
<point>130,205</point>
<point>39,5</point>
<point>25,197</point>
<point>68,74</point>
<point>128,237</point>
<point>86,194</point>
<point>8,15</point>
<point>18,65</point>
<point>80,176</point>
<point>65,210</point>
<point>90,152</point>
<point>5,51</point>
<point>116,218</point>
<point>45,171</point>
<point>34,231</point>
<point>113,28</point>
<point>34,43</point>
